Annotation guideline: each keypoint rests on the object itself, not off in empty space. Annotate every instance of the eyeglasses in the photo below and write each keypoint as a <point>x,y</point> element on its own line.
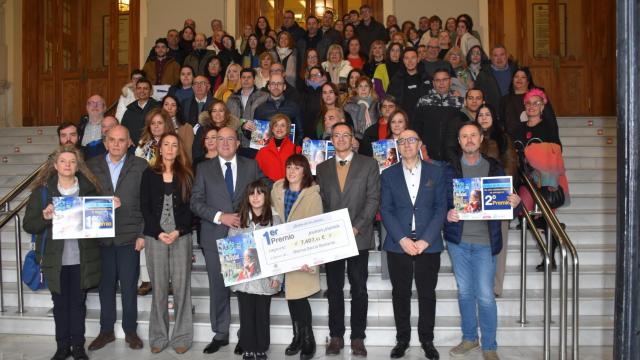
<point>276,84</point>
<point>200,83</point>
<point>531,104</point>
<point>433,47</point>
<point>94,103</point>
<point>346,136</point>
<point>315,75</point>
<point>409,140</point>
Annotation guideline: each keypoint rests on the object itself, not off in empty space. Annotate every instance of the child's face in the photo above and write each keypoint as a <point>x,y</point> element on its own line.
<point>256,200</point>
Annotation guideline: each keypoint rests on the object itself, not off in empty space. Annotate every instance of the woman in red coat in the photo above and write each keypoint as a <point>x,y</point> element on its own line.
<point>273,156</point>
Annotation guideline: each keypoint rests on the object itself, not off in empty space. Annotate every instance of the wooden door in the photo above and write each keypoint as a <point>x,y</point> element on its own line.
<point>557,44</point>
<point>73,49</point>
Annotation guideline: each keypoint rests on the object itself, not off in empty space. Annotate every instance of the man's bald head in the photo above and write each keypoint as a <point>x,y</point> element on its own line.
<point>108,123</point>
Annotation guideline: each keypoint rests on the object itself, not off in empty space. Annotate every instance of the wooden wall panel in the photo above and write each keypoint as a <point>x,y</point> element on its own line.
<point>72,100</point>
<point>571,93</point>
<point>46,106</point>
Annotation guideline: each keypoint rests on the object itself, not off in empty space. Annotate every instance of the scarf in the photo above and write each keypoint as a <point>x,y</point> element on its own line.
<point>283,52</point>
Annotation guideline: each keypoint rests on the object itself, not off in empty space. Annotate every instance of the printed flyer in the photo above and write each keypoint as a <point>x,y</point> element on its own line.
<point>83,217</point>
<point>385,152</point>
<point>317,151</point>
<point>260,136</point>
<point>483,198</point>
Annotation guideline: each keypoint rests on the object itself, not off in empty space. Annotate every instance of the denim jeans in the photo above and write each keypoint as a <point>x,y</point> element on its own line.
<point>474,268</point>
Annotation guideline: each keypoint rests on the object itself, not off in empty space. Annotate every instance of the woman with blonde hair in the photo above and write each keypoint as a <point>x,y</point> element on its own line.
<point>230,84</point>
<point>266,59</point>
<point>68,278</point>
<point>336,66</point>
<point>363,107</point>
<point>461,82</point>
<point>157,123</point>
<point>287,56</point>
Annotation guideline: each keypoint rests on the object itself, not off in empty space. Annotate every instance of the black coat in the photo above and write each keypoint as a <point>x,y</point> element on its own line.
<point>311,111</point>
<point>133,118</point>
<point>398,87</point>
<point>368,34</point>
<point>437,126</point>
<point>489,85</point>
<point>152,201</point>
<point>190,111</point>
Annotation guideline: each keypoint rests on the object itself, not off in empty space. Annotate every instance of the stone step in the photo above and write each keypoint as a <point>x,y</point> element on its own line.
<point>44,149</point>
<point>596,329</point>
<point>581,163</point>
<point>19,169</point>
<point>29,131</point>
<point>29,139</point>
<point>588,131</point>
<point>586,187</point>
<point>590,151</point>
<point>591,277</point>
<point>604,141</point>
<point>35,158</point>
<point>608,175</point>
<point>592,302</point>
<point>582,217</point>
<point>588,122</point>
<point>595,202</point>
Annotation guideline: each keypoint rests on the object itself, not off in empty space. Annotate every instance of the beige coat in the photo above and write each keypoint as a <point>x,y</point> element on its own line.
<point>299,284</point>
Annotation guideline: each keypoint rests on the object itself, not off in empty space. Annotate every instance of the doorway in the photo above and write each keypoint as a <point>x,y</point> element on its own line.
<point>73,49</point>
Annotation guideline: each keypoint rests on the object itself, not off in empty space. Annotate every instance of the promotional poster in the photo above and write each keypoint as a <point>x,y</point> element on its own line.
<point>83,217</point>
<point>483,198</point>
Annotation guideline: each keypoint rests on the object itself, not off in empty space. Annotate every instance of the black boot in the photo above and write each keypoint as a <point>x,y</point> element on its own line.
<point>308,343</point>
<point>63,352</point>
<point>78,353</point>
<point>296,342</point>
<point>552,255</point>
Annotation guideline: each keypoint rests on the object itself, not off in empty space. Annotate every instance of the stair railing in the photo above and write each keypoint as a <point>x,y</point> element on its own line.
<point>566,246</point>
<point>7,215</point>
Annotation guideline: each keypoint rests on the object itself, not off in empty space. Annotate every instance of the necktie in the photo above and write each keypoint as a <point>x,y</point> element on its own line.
<point>200,107</point>
<point>228,178</point>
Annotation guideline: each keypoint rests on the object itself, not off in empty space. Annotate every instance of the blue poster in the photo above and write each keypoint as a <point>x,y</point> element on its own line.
<point>238,259</point>
<point>483,198</point>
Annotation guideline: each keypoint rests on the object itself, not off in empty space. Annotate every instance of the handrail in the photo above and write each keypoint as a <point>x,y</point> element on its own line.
<point>9,214</point>
<point>547,279</point>
<point>20,188</point>
<point>564,243</point>
<point>112,106</point>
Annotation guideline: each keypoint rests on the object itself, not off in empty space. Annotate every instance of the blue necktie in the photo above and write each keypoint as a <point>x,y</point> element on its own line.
<point>228,178</point>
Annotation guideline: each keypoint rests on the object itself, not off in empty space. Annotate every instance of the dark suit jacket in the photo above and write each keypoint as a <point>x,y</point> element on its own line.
<point>361,195</point>
<point>430,208</point>
<point>133,118</point>
<point>129,220</point>
<point>190,109</point>
<point>210,195</point>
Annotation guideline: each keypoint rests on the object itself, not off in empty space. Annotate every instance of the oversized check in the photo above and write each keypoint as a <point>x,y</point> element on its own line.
<point>287,247</point>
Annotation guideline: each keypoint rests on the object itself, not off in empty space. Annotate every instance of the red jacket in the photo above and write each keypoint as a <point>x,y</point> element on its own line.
<point>272,162</point>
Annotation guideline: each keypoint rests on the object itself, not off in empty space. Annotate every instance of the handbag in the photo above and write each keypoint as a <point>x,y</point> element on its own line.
<point>32,268</point>
<point>555,198</point>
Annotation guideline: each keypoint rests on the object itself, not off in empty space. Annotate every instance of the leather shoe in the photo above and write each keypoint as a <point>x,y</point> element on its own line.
<point>62,353</point>
<point>144,288</point>
<point>133,340</point>
<point>335,345</point>
<point>215,345</point>
<point>399,350</point>
<point>103,339</point>
<point>358,348</point>
<point>238,349</point>
<point>78,353</point>
<point>155,349</point>
<point>181,349</point>
<point>430,351</point>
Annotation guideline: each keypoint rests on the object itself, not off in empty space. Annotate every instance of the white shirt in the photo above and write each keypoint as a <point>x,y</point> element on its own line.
<point>245,97</point>
<point>347,159</point>
<point>234,171</point>
<point>412,179</point>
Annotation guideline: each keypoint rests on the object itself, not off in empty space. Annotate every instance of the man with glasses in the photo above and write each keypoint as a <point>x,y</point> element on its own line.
<point>413,208</point>
<point>89,125</point>
<point>290,25</point>
<point>199,102</point>
<point>350,181</point>
<point>278,103</point>
<point>431,62</point>
<point>290,92</point>
<point>217,191</point>
<point>435,117</point>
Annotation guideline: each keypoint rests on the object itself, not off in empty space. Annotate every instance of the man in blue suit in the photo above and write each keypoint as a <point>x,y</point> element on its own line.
<point>413,209</point>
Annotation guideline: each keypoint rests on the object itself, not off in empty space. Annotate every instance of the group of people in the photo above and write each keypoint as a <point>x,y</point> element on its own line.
<point>181,164</point>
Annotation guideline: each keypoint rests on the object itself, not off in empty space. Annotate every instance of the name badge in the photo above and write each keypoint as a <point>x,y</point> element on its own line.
<point>412,86</point>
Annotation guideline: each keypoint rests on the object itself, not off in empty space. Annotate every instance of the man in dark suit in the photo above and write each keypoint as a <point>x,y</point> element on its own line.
<point>413,208</point>
<point>218,189</point>
<point>199,102</point>
<point>119,175</point>
<point>350,181</point>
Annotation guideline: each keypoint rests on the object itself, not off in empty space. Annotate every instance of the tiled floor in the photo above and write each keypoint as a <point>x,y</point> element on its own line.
<point>14,347</point>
